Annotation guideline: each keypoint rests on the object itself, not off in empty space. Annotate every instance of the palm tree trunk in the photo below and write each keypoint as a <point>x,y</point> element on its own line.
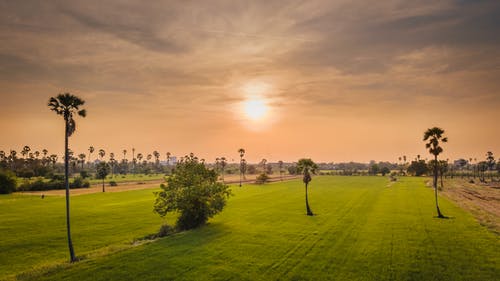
<point>66,183</point>
<point>308,210</point>
<point>103,190</point>
<point>435,187</point>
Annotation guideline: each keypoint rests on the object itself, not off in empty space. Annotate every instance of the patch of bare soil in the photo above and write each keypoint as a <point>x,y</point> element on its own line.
<point>481,199</point>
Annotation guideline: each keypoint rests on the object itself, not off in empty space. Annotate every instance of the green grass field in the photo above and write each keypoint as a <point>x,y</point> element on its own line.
<point>363,230</point>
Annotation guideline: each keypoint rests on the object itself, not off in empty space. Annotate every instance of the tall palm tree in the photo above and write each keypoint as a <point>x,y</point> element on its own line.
<point>280,165</point>
<point>102,153</point>
<point>223,163</point>
<point>67,105</point>
<point>82,157</point>
<point>434,136</point>
<point>168,158</point>
<point>307,166</point>
<point>112,162</point>
<point>263,162</point>
<point>124,153</point>
<point>91,150</point>
<point>133,160</point>
<point>241,151</point>
<point>25,151</point>
<point>156,154</point>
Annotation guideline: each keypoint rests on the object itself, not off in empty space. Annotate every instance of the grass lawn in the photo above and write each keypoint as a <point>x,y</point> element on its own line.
<point>363,230</point>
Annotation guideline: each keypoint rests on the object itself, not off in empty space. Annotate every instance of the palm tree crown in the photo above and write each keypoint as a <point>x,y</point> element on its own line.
<point>67,105</point>
<point>434,136</point>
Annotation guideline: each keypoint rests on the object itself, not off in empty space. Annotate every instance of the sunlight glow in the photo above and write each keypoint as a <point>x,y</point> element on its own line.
<point>255,109</point>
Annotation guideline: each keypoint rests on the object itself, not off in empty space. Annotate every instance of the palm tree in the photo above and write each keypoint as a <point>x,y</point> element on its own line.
<point>263,162</point>
<point>102,153</point>
<point>241,151</point>
<point>223,164</point>
<point>156,154</point>
<point>133,160</point>
<point>67,105</point>
<point>25,151</point>
<point>112,162</point>
<point>91,150</point>
<point>280,164</point>
<point>124,153</point>
<point>139,158</point>
<point>168,158</point>
<point>243,167</point>
<point>82,157</point>
<point>434,136</point>
<point>307,166</point>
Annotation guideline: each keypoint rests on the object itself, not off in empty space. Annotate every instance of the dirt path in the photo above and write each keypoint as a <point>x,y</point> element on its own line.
<point>126,186</point>
<point>482,200</point>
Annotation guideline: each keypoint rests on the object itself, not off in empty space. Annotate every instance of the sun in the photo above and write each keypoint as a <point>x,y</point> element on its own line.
<point>255,109</point>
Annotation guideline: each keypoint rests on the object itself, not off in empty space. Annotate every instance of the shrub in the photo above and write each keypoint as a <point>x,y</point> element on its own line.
<point>78,182</point>
<point>84,174</point>
<point>194,192</point>
<point>7,182</point>
<point>39,184</point>
<point>262,178</point>
<point>165,230</point>
<point>113,183</point>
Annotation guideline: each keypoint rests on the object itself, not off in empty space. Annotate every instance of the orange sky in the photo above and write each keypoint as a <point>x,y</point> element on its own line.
<point>342,80</point>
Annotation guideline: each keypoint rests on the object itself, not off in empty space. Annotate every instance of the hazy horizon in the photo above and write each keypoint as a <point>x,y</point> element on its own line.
<point>335,81</point>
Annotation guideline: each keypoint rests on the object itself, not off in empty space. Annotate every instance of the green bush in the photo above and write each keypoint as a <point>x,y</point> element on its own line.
<point>40,185</point>
<point>262,178</point>
<point>194,192</point>
<point>113,183</point>
<point>7,182</point>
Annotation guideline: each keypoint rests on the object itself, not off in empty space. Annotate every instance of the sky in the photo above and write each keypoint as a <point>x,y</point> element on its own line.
<point>329,80</point>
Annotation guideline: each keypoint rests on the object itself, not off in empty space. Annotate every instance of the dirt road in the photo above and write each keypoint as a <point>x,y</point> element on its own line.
<point>125,186</point>
<point>482,200</point>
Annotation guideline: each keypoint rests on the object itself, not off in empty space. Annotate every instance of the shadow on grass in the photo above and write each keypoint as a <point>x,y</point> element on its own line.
<point>443,217</point>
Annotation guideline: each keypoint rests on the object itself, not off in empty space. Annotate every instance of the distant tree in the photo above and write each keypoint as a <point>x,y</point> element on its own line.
<point>168,158</point>
<point>82,157</point>
<point>91,150</point>
<point>133,160</point>
<point>385,170</point>
<point>251,169</point>
<point>25,151</point>
<point>102,171</point>
<point>156,154</point>
<point>292,170</point>
<point>490,159</point>
<point>263,163</point>
<point>443,168</point>
<point>434,136</point>
<point>243,167</point>
<point>241,151</point>
<point>112,163</point>
<point>53,160</point>
<point>374,169</point>
<point>194,192</point>
<point>67,105</point>
<point>102,153</point>
<point>139,157</point>
<point>280,166</point>
<point>223,164</point>
<point>306,167</point>
<point>8,182</point>
<point>269,169</point>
